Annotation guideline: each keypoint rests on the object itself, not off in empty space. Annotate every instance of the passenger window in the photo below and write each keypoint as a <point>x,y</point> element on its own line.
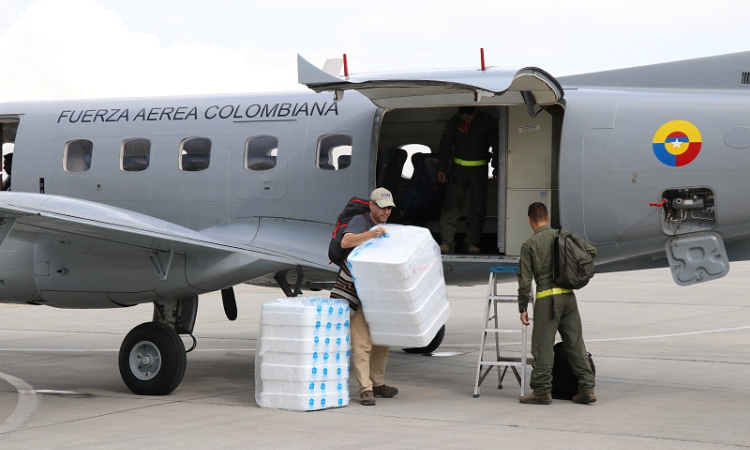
<point>135,154</point>
<point>195,154</point>
<point>78,155</point>
<point>334,152</point>
<point>411,149</point>
<point>261,152</point>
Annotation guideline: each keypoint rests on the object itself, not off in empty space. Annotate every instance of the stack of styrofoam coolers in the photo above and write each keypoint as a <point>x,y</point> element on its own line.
<point>399,280</point>
<point>302,360</point>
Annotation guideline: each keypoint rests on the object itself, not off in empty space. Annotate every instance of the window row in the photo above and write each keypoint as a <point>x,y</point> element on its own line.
<point>334,152</point>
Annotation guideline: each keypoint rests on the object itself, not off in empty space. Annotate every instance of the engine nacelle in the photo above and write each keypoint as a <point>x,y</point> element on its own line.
<point>81,272</point>
<point>73,271</point>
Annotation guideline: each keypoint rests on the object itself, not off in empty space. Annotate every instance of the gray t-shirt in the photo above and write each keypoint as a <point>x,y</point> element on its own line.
<point>359,224</point>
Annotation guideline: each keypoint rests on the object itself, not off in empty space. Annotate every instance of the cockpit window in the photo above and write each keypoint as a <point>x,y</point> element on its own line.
<point>334,152</point>
<point>78,155</point>
<point>135,154</point>
<point>261,152</point>
<point>195,154</point>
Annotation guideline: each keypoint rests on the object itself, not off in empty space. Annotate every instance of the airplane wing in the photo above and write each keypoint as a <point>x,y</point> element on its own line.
<point>57,214</point>
<point>100,242</point>
<point>493,86</point>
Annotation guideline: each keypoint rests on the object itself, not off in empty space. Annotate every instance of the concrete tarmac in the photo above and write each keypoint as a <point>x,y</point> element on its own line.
<point>673,372</point>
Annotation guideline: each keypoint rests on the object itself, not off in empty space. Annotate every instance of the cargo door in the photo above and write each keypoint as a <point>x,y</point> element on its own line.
<point>528,86</point>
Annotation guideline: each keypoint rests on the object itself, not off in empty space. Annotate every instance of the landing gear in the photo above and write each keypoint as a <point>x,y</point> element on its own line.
<point>152,359</point>
<point>432,346</point>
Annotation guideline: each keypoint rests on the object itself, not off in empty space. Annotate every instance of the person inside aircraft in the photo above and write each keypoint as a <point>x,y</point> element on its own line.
<point>369,359</point>
<point>465,146</point>
<point>7,163</point>
<point>555,310</point>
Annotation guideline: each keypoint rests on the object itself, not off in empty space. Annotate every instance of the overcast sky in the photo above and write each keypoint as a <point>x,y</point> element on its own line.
<point>112,48</point>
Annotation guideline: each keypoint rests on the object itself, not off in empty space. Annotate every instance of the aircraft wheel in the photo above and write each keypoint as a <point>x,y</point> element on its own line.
<point>152,359</point>
<point>432,346</point>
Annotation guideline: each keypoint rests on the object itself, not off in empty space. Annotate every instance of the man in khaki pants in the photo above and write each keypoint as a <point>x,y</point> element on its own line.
<point>369,359</point>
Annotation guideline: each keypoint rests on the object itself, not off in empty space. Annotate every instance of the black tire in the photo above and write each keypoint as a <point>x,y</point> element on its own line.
<point>432,346</point>
<point>152,359</point>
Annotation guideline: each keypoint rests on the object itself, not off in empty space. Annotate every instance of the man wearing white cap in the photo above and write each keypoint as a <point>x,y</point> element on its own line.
<point>369,359</point>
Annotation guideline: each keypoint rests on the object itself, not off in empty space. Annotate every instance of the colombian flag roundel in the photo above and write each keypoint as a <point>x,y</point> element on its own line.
<point>677,143</point>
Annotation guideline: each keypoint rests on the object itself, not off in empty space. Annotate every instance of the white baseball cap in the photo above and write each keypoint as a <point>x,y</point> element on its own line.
<point>382,197</point>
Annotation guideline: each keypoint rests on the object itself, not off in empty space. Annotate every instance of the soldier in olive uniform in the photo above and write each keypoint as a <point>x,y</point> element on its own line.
<point>555,309</point>
<point>465,144</point>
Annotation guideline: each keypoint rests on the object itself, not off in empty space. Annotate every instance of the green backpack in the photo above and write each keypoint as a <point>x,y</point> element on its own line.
<point>573,266</point>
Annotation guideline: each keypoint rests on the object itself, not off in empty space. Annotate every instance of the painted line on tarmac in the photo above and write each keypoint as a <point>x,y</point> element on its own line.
<point>28,403</point>
<point>108,350</point>
<point>626,338</point>
<point>659,336</point>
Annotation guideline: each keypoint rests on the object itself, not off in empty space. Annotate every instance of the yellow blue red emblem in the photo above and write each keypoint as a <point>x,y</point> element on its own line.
<point>677,143</point>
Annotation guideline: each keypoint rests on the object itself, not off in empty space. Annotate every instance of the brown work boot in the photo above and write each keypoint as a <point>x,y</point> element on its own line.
<point>473,249</point>
<point>585,398</point>
<point>367,399</point>
<point>445,248</point>
<point>384,391</point>
<point>534,399</point>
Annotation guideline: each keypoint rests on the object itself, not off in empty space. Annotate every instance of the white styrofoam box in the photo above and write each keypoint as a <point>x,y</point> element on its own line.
<point>329,387</point>
<point>302,360</point>
<point>301,402</point>
<point>414,328</point>
<point>305,372</point>
<point>319,344</point>
<point>399,280</point>
<point>291,358</point>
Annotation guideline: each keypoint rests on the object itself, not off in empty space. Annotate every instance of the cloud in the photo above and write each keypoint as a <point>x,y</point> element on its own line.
<point>80,49</point>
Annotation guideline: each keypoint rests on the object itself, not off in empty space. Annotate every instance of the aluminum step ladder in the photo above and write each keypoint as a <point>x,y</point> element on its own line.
<point>502,361</point>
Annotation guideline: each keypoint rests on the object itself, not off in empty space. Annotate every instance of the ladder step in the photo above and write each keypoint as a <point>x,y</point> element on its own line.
<point>504,361</point>
<point>501,330</point>
<point>513,358</point>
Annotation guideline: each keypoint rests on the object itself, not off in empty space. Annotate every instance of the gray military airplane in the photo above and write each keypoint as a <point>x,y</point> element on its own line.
<point>119,202</point>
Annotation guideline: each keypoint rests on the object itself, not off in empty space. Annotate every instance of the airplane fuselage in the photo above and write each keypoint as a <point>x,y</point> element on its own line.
<point>274,170</point>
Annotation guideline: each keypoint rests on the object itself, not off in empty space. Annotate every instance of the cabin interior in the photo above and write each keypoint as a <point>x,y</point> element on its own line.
<point>408,144</point>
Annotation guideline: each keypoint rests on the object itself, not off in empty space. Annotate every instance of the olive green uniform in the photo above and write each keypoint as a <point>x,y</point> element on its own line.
<point>467,147</point>
<point>552,313</point>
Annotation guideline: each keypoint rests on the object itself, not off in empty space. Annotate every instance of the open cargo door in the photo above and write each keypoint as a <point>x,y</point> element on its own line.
<point>457,87</point>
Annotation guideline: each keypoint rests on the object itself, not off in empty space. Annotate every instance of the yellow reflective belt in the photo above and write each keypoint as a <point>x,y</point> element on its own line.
<point>462,162</point>
<point>553,291</point>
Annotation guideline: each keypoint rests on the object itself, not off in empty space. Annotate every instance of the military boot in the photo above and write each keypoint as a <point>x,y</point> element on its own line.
<point>584,398</point>
<point>534,399</point>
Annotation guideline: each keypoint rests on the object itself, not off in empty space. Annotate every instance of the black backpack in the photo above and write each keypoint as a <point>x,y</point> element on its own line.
<point>354,206</point>
<point>564,381</point>
<point>572,266</point>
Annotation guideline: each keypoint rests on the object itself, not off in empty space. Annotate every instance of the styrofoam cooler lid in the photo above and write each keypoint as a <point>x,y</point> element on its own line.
<point>400,241</point>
